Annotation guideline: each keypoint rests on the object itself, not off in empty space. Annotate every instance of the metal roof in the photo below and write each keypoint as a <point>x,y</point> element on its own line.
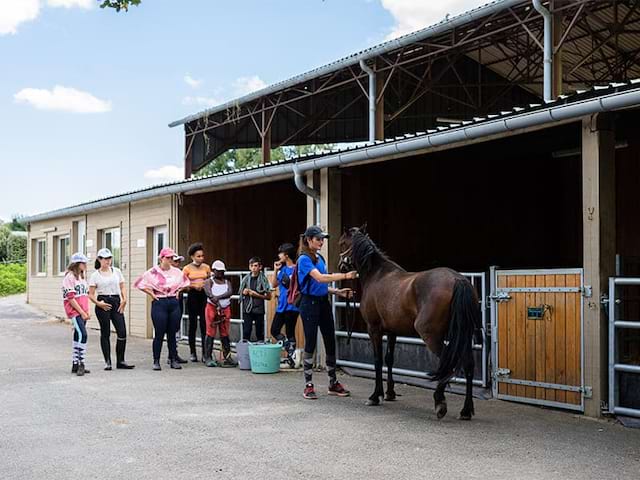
<point>607,97</point>
<point>354,59</point>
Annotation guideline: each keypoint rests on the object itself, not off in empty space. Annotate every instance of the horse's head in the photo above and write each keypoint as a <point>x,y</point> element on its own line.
<point>346,248</point>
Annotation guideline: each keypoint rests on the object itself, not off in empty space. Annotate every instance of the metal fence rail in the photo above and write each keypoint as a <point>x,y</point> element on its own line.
<point>184,324</point>
<point>614,366</point>
<point>478,280</point>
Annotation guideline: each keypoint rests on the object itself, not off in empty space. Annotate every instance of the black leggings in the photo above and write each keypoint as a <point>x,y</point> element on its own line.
<point>105,318</point>
<point>288,318</point>
<point>196,303</point>
<point>316,313</point>
<point>165,314</point>
<point>249,319</point>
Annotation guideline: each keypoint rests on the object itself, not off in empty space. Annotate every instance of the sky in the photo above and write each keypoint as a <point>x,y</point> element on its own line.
<point>86,94</point>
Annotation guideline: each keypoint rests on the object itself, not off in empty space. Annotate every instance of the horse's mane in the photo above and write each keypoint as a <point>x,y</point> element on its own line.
<point>367,257</point>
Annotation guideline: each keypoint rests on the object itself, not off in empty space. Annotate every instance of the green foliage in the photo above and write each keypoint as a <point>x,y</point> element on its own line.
<point>249,157</point>
<point>13,278</point>
<point>17,224</point>
<point>119,4</point>
<point>12,247</point>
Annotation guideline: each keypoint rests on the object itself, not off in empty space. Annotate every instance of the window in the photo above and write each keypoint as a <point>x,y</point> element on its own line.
<point>63,253</point>
<point>80,236</point>
<point>159,240</point>
<point>111,240</point>
<point>40,257</point>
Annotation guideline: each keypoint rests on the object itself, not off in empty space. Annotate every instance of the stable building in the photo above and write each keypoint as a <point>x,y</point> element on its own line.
<point>501,142</point>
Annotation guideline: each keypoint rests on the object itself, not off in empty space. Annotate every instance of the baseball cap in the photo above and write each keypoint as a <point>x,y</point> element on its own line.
<point>178,258</point>
<point>218,265</point>
<point>167,252</point>
<point>105,253</point>
<point>315,231</point>
<point>79,258</point>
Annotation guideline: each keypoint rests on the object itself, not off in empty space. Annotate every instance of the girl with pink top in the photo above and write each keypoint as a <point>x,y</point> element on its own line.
<point>75,295</point>
<point>163,283</point>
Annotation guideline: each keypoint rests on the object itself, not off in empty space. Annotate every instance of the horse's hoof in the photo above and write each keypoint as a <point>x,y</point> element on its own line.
<point>372,402</point>
<point>466,415</point>
<point>390,397</point>
<point>441,410</point>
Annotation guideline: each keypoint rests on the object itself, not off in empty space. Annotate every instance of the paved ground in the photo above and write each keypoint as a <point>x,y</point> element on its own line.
<point>225,423</point>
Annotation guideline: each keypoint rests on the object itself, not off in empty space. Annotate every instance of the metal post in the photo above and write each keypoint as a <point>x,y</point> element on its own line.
<point>372,100</point>
<point>612,344</point>
<point>548,49</point>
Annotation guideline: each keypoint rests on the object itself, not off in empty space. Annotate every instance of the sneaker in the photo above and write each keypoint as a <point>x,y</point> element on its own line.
<point>228,362</point>
<point>212,363</point>
<point>309,392</point>
<point>81,370</point>
<point>175,365</point>
<point>124,366</point>
<point>339,390</point>
<point>107,366</point>
<point>193,357</point>
<point>156,366</point>
<point>179,359</point>
<point>74,368</point>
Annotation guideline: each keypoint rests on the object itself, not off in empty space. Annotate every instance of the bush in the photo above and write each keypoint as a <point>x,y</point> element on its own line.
<point>13,278</point>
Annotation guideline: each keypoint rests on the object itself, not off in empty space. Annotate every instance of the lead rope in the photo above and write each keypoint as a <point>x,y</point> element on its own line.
<point>350,317</point>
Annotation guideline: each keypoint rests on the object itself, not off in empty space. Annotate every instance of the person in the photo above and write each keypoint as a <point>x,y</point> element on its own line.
<point>163,283</point>
<point>107,283</point>
<point>176,261</point>
<point>218,314</point>
<point>75,294</point>
<point>286,313</point>
<point>315,308</point>
<point>254,290</point>
<point>197,272</point>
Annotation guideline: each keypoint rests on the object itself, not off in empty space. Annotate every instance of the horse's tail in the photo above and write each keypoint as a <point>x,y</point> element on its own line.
<point>463,322</point>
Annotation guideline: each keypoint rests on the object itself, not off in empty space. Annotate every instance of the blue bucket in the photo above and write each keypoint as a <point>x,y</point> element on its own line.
<point>265,357</point>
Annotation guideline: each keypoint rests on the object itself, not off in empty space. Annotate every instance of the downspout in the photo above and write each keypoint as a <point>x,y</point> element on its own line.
<point>299,179</point>
<point>372,100</point>
<point>548,49</point>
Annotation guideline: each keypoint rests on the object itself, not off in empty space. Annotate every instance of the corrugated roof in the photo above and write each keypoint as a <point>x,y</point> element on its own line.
<point>598,91</point>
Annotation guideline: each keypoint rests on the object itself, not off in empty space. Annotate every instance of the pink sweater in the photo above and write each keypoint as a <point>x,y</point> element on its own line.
<point>74,288</point>
<point>163,283</point>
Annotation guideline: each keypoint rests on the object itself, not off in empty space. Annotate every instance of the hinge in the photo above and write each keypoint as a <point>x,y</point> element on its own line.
<point>587,291</point>
<point>499,297</point>
<point>588,392</point>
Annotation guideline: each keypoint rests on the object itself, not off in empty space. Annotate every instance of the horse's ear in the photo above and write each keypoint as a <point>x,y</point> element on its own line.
<point>363,228</point>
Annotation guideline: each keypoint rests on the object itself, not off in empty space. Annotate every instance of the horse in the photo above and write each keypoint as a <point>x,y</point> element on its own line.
<point>439,305</point>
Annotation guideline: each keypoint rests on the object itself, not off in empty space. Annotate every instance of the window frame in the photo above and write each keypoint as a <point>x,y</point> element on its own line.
<point>63,257</point>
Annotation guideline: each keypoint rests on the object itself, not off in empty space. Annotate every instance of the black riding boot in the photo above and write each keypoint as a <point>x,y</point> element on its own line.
<point>121,345</point>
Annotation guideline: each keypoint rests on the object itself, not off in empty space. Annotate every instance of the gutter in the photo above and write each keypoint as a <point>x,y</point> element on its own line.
<point>301,184</point>
<point>468,131</point>
<point>548,49</point>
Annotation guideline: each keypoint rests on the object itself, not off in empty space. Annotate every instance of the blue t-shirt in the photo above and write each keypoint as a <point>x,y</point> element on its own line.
<point>310,286</point>
<point>283,305</point>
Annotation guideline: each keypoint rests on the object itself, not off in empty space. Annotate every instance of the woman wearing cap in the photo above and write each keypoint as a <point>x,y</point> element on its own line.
<point>197,272</point>
<point>163,283</point>
<point>315,308</point>
<point>107,283</point>
<point>218,314</point>
<point>75,294</point>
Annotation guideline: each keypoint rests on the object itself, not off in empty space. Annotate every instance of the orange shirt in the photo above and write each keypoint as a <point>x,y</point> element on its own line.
<point>197,275</point>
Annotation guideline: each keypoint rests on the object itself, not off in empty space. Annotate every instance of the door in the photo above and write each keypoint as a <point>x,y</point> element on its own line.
<point>538,350</point>
<point>159,240</point>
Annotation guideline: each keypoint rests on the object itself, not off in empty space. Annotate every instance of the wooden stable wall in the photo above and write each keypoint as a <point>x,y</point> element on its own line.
<point>236,224</point>
<point>508,203</point>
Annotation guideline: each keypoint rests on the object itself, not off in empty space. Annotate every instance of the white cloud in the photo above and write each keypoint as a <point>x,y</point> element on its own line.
<point>64,99</point>
<point>71,3</point>
<point>207,102</point>
<point>411,15</point>
<point>15,12</point>
<point>168,173</point>
<point>192,82</point>
<point>245,85</point>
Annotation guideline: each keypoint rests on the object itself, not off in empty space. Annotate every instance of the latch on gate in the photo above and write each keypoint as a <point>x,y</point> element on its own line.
<point>500,297</point>
<point>503,372</point>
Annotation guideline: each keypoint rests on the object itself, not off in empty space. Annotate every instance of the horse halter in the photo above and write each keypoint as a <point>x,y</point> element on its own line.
<point>345,259</point>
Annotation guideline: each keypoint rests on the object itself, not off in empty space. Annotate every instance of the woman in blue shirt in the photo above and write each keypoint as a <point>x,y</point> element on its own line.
<point>286,313</point>
<point>315,308</point>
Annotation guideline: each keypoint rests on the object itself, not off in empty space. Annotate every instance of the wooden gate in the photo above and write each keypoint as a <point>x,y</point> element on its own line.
<point>537,319</point>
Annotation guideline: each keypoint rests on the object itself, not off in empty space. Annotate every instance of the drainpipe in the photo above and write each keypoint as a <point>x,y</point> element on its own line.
<point>548,49</point>
<point>372,100</point>
<point>299,179</point>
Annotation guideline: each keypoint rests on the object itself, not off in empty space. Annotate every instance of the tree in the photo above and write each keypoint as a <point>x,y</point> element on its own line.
<point>119,4</point>
<point>17,223</point>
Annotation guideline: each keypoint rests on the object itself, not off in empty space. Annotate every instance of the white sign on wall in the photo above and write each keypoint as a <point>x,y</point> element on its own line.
<point>140,243</point>
<point>89,243</point>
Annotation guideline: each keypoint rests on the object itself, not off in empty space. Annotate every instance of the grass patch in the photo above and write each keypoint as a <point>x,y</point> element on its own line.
<point>13,279</point>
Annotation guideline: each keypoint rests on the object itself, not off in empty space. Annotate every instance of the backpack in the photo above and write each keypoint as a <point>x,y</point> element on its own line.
<point>294,296</point>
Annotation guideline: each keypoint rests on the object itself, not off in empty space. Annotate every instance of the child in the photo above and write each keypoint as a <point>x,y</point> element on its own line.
<point>254,290</point>
<point>218,314</point>
<point>286,313</point>
<point>75,294</point>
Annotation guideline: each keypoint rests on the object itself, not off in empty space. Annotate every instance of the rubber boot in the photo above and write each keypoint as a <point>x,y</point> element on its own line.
<point>208,352</point>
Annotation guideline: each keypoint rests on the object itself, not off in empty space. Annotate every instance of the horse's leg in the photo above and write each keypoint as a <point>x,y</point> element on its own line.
<point>467,410</point>
<point>440,400</point>
<point>391,346</point>
<point>376,342</point>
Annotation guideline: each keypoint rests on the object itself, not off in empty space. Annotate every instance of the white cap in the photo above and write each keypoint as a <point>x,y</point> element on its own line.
<point>178,258</point>
<point>218,265</point>
<point>105,253</point>
<point>79,258</point>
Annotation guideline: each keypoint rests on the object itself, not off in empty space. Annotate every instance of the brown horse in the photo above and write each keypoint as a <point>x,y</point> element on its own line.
<point>439,305</point>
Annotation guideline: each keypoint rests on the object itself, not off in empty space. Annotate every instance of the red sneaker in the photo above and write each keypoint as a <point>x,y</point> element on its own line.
<point>309,392</point>
<point>339,390</point>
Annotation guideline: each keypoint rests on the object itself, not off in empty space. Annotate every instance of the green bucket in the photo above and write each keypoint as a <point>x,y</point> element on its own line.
<point>265,357</point>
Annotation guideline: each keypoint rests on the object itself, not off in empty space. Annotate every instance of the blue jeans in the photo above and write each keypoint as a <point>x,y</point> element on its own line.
<point>165,315</point>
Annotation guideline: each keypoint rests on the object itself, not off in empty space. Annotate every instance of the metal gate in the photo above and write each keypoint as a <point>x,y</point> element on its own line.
<point>617,367</point>
<point>537,338</point>
<point>478,281</point>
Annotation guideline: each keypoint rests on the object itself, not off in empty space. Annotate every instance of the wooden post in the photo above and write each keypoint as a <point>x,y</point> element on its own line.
<point>380,79</point>
<point>599,248</point>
